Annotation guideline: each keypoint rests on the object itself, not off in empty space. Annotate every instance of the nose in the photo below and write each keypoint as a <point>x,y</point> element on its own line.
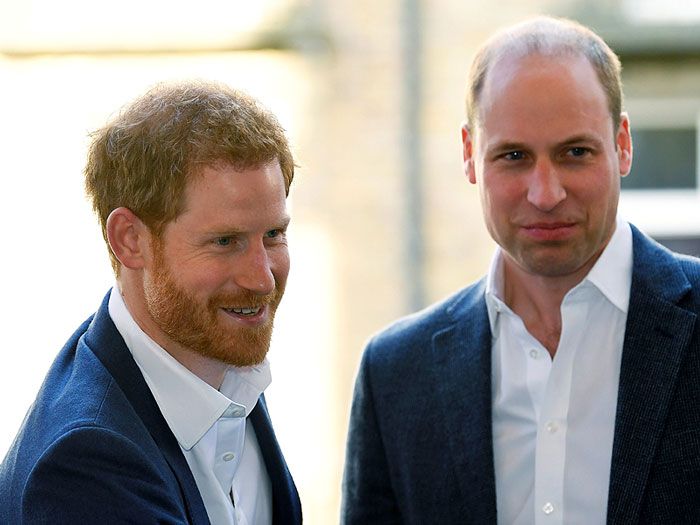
<point>545,190</point>
<point>254,270</point>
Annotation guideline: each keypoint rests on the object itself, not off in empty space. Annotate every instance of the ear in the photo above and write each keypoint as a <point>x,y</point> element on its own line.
<point>128,238</point>
<point>623,141</point>
<point>467,154</point>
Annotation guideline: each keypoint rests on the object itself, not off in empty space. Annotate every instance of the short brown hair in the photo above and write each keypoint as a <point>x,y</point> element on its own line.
<point>144,157</point>
<point>547,36</point>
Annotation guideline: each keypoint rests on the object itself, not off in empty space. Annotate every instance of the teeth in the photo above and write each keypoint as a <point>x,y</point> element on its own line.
<point>244,311</point>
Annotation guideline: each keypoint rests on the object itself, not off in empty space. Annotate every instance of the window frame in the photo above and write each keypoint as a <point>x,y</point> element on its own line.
<point>664,212</point>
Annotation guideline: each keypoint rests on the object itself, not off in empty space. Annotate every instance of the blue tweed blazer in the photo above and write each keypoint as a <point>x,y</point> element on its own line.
<point>420,447</point>
<point>94,447</point>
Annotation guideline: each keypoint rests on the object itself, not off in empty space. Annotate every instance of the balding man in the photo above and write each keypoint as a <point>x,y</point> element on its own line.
<point>564,387</point>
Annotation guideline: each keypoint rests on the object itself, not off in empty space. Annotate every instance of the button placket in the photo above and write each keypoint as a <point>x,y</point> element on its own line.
<point>229,445</point>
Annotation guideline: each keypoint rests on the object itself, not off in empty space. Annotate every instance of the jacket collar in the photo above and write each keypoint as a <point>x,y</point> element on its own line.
<point>286,507</point>
<point>658,332</point>
<point>104,341</point>
<point>462,356</point>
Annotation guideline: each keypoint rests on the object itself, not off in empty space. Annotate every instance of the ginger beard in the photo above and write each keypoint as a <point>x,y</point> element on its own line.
<point>199,327</point>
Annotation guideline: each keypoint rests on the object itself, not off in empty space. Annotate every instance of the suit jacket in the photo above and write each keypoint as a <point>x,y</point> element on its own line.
<point>420,446</point>
<point>95,448</point>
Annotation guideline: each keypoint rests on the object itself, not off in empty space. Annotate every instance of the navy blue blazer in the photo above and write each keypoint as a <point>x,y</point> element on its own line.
<point>420,447</point>
<point>95,448</point>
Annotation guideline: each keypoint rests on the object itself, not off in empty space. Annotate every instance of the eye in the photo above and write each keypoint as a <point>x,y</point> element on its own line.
<point>578,151</point>
<point>514,155</point>
<point>273,234</point>
<point>223,241</point>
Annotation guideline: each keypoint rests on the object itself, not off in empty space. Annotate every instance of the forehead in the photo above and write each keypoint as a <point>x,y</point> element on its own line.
<point>223,193</point>
<point>540,93</point>
<point>236,179</point>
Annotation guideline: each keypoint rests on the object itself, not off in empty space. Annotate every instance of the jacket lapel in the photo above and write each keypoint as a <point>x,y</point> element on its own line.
<point>657,334</point>
<point>106,343</point>
<point>462,368</point>
<point>286,507</point>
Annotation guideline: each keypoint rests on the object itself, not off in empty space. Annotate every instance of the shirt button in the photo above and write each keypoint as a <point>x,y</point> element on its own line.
<point>548,508</point>
<point>552,427</point>
<point>534,353</point>
<point>228,456</point>
<point>234,411</point>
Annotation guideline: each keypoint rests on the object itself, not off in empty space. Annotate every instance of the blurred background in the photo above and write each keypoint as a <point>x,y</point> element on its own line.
<point>384,221</point>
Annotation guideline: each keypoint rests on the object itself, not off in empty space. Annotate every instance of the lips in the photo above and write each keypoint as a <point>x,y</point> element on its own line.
<point>549,231</point>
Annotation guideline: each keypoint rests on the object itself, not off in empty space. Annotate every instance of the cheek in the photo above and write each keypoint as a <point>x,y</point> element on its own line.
<point>205,279</point>
<point>280,264</point>
<point>499,199</point>
<point>600,194</point>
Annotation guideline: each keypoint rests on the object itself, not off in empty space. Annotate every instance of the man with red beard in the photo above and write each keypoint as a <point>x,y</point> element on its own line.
<point>154,411</point>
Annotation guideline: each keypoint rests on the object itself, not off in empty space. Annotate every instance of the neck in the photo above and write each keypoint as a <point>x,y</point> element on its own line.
<point>537,299</point>
<point>208,370</point>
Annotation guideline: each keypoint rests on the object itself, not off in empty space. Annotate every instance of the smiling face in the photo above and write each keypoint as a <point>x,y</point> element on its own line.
<point>548,163</point>
<point>218,271</point>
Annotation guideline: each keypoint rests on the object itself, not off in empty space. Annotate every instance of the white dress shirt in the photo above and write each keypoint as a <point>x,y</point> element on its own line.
<point>210,425</point>
<point>554,419</point>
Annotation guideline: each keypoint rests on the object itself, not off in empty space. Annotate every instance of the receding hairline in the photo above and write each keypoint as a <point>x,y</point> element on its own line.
<point>546,36</point>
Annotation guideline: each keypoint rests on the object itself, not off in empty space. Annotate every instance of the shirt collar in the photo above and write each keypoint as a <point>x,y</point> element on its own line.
<point>611,274</point>
<point>189,405</point>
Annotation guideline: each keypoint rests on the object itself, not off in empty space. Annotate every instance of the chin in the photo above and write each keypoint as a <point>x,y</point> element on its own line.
<point>245,360</point>
<point>241,348</point>
<point>551,266</point>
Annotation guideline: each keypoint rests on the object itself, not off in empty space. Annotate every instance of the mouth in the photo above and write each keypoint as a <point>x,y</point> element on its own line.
<point>246,315</point>
<point>244,312</point>
<point>549,225</point>
<point>549,231</point>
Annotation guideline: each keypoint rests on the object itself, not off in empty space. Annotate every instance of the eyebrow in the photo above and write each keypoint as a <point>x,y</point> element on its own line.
<point>576,139</point>
<point>500,147</point>
<point>223,231</point>
<point>284,222</point>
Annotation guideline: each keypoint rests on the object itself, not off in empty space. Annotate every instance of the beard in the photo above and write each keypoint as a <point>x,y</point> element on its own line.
<point>199,327</point>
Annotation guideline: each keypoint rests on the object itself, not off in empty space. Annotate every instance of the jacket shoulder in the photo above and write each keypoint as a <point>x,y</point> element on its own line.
<point>90,473</point>
<point>663,273</point>
<point>80,439</point>
<point>414,332</point>
<point>691,268</point>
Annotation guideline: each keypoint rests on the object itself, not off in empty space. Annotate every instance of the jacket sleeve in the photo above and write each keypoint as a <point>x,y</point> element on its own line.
<point>368,497</point>
<point>94,475</point>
